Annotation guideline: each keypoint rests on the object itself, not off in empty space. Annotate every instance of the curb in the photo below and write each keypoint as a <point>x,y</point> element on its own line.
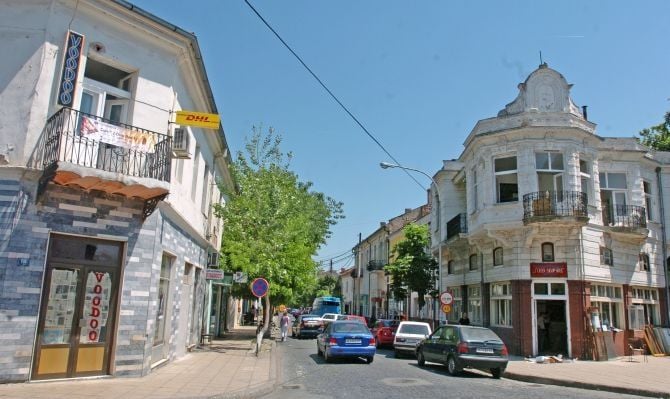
<point>586,385</point>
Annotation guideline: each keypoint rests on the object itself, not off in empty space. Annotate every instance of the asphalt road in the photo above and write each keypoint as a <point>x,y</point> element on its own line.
<point>305,375</point>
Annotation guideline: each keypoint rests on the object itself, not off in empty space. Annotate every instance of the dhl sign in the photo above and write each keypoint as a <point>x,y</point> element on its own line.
<point>200,119</point>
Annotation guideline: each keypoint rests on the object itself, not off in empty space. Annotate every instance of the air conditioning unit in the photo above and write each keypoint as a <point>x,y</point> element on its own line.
<point>212,259</point>
<point>180,143</point>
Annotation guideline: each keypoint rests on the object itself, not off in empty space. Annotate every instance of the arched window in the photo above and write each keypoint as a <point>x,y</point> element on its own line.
<point>473,262</point>
<point>547,252</point>
<point>644,262</point>
<point>498,256</point>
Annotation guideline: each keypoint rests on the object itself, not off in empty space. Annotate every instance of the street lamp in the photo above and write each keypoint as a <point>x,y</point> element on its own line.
<point>387,165</point>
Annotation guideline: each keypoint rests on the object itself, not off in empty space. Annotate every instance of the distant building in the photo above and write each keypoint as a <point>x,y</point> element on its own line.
<point>105,203</point>
<point>543,216</point>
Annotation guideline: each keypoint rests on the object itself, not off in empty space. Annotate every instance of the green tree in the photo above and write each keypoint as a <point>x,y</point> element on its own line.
<point>657,137</point>
<point>413,268</point>
<point>273,222</point>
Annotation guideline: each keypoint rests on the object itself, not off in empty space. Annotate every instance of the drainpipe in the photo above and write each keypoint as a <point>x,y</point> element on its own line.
<point>664,243</point>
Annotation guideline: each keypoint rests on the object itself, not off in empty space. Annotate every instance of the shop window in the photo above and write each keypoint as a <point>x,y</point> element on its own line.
<point>457,304</point>
<point>498,256</point>
<point>163,299</point>
<point>606,256</point>
<point>475,304</point>
<point>547,252</point>
<point>609,301</point>
<point>501,304</point>
<point>507,188</point>
<point>541,288</point>
<point>557,289</point>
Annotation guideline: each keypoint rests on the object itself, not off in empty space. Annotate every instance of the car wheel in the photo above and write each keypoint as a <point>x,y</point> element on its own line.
<point>370,359</point>
<point>452,368</point>
<point>497,372</point>
<point>420,359</point>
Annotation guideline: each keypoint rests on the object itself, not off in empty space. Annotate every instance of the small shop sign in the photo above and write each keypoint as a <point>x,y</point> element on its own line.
<point>214,274</point>
<point>549,269</point>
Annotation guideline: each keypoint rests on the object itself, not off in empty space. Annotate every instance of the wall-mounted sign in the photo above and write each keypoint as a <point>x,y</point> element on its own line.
<point>200,119</point>
<point>74,43</point>
<point>549,269</point>
<point>240,277</point>
<point>214,274</point>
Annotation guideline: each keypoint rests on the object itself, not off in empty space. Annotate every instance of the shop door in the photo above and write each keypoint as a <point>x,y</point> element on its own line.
<point>76,322</point>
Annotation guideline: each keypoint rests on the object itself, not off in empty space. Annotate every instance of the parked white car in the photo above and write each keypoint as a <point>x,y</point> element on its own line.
<point>328,317</point>
<point>408,335</point>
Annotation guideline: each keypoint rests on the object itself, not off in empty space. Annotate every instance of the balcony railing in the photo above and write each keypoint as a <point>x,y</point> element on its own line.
<point>626,216</point>
<point>377,264</point>
<point>457,225</point>
<point>86,140</point>
<point>549,205</point>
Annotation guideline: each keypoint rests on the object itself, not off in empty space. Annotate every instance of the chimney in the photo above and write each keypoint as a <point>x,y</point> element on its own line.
<point>584,112</point>
<point>382,224</point>
<point>408,210</point>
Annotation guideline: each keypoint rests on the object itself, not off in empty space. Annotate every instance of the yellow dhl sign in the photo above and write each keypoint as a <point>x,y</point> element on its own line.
<point>200,119</point>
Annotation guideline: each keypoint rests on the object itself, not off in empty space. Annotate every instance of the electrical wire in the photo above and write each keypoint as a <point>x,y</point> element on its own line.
<point>333,95</point>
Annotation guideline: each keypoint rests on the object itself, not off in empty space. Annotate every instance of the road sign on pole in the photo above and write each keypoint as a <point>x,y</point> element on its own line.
<point>446,298</point>
<point>446,308</point>
<point>259,287</point>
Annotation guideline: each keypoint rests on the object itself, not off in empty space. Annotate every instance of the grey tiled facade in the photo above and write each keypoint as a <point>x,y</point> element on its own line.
<point>25,227</point>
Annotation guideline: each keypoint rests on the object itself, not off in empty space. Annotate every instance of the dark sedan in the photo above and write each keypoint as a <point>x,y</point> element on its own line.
<point>346,338</point>
<point>459,347</point>
<point>306,325</point>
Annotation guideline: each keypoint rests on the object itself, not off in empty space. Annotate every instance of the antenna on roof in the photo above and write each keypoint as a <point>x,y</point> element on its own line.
<point>541,57</point>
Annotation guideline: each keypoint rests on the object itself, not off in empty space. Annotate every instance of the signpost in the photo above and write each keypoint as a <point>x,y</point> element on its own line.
<point>259,287</point>
<point>446,299</point>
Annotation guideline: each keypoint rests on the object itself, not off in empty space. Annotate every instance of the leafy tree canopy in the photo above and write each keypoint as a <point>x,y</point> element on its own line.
<point>273,222</point>
<point>657,137</point>
<point>413,268</point>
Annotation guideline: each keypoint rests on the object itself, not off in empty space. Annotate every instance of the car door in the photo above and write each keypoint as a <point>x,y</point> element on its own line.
<point>447,344</point>
<point>431,345</point>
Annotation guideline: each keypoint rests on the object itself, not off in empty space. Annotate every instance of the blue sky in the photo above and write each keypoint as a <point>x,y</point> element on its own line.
<point>418,75</point>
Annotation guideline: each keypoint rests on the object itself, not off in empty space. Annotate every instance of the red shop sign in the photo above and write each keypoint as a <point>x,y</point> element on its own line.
<point>549,269</point>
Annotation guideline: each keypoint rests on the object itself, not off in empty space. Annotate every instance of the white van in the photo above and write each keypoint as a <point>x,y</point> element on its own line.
<point>408,335</point>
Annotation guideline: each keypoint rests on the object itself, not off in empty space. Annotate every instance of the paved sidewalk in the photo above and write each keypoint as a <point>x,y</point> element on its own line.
<point>227,368</point>
<point>621,375</point>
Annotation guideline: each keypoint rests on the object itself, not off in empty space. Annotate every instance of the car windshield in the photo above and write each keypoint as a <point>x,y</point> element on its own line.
<point>418,329</point>
<point>479,334</point>
<point>390,323</point>
<point>349,328</point>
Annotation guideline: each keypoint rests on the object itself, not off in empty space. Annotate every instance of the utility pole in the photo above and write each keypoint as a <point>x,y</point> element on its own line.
<point>358,275</point>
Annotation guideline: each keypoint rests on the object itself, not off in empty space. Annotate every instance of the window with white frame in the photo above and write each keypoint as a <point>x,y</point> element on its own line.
<point>613,188</point>
<point>498,256</point>
<point>549,167</point>
<point>645,300</point>
<point>606,257</point>
<point>647,198</point>
<point>547,252</point>
<point>507,187</point>
<point>643,262</point>
<point>585,175</point>
<point>475,304</point>
<point>475,189</point>
<point>473,262</point>
<point>609,301</point>
<point>501,304</point>
<point>456,304</point>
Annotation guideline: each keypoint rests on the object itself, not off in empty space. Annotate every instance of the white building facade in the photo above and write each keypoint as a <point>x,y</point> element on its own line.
<point>543,216</point>
<point>107,223</point>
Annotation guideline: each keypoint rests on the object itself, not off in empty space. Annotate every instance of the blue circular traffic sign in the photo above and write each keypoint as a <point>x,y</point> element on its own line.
<point>259,287</point>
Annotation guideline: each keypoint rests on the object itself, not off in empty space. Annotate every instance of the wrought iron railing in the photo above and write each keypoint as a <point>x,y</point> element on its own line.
<point>631,216</point>
<point>136,152</point>
<point>551,204</point>
<point>377,264</point>
<point>457,225</point>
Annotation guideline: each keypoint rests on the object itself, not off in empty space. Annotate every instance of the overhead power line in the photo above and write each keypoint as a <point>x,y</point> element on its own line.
<point>332,95</point>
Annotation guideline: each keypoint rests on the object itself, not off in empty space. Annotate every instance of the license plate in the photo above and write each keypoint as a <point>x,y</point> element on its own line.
<point>352,341</point>
<point>484,350</point>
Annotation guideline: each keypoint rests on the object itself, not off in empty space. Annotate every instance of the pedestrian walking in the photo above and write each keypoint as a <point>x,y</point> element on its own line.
<point>464,320</point>
<point>283,323</point>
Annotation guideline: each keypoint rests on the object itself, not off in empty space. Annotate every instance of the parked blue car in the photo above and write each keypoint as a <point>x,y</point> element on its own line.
<point>346,338</point>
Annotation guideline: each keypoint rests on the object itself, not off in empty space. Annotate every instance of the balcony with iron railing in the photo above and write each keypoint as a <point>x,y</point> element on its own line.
<point>457,225</point>
<point>546,206</point>
<point>625,218</point>
<point>93,153</point>
<point>377,264</point>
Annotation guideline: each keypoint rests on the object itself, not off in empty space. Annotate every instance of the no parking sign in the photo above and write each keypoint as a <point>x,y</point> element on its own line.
<point>259,287</point>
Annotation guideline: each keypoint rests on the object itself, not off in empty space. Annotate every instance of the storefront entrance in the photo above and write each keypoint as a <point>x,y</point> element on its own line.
<point>551,323</point>
<point>77,313</point>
